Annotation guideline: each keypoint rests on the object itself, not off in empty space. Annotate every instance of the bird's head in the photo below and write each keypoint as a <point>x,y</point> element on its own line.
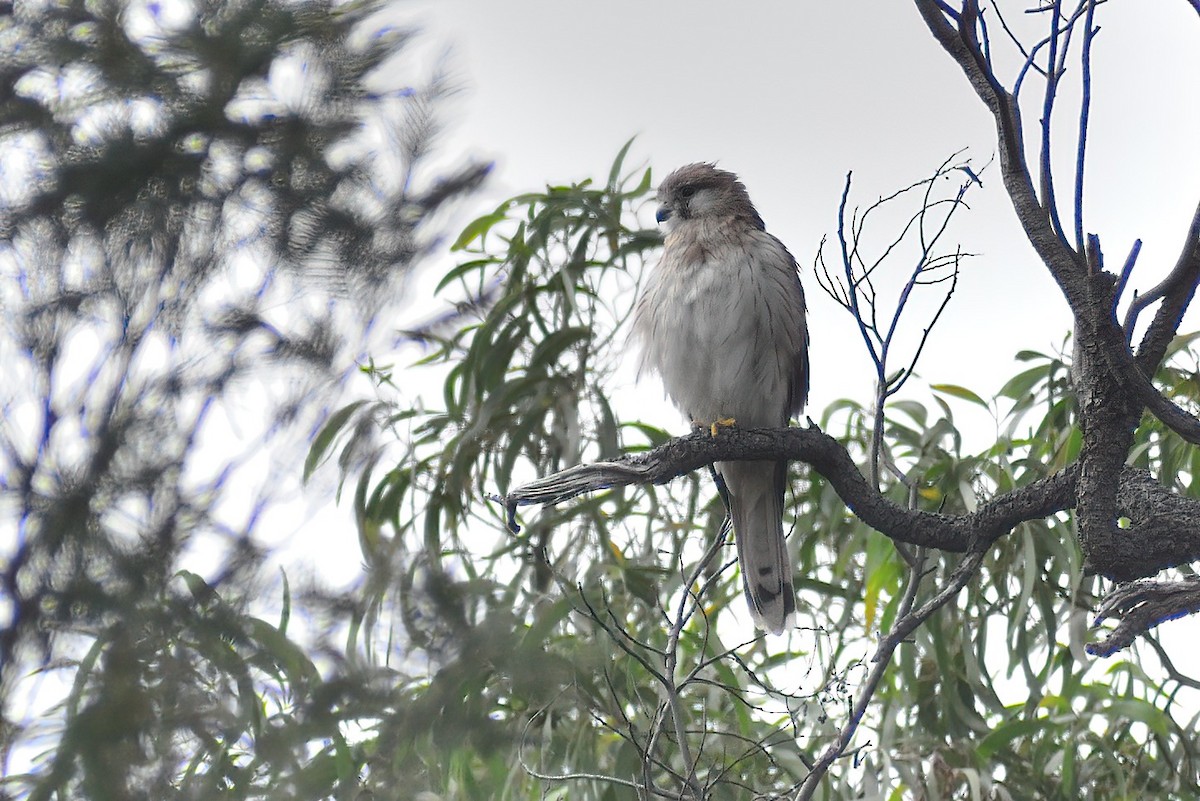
<point>702,192</point>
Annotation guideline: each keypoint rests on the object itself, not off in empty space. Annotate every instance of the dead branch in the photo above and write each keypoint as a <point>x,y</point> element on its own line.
<point>1142,605</point>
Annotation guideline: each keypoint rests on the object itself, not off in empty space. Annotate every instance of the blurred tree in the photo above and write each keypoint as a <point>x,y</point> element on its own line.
<point>199,203</point>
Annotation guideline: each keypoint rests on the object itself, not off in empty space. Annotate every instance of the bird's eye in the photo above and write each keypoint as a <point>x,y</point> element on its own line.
<point>687,191</point>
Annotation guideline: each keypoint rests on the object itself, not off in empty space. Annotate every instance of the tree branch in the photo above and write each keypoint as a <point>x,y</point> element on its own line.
<point>1111,386</point>
<point>962,44</point>
<point>1165,529</point>
<point>1176,290</point>
<point>1085,105</point>
<point>957,534</point>
<point>1142,605</point>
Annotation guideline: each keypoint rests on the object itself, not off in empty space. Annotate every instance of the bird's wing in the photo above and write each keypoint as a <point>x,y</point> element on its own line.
<point>790,330</point>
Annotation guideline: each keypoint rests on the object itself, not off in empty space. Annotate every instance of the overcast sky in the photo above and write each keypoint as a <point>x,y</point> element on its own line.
<point>792,95</point>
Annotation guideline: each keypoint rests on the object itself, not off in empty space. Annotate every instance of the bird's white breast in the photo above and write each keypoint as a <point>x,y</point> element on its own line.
<point>721,320</point>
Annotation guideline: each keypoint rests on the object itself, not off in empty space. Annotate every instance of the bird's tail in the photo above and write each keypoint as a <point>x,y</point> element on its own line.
<point>754,495</point>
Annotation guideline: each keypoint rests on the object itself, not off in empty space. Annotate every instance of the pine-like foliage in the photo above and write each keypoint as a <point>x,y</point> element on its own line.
<point>200,203</point>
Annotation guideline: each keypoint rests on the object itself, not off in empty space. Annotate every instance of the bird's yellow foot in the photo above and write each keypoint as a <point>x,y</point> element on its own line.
<point>723,421</point>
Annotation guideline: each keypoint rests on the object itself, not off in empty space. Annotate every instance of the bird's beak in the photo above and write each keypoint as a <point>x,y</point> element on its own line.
<point>663,214</point>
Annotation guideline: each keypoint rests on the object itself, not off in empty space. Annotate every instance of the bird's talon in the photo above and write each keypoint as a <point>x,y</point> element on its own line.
<point>723,421</point>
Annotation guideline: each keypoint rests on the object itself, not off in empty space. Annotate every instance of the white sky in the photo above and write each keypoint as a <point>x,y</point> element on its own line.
<point>792,95</point>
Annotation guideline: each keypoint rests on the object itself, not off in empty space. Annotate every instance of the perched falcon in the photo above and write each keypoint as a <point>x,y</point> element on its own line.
<point>722,320</point>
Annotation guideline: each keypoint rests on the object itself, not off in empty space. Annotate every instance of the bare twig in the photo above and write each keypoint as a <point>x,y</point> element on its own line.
<point>1085,104</point>
<point>1123,281</point>
<point>1176,291</point>
<point>904,626</point>
<point>961,43</point>
<point>688,603</point>
<point>1012,36</point>
<point>855,292</point>
<point>851,284</point>
<point>1052,74</point>
<point>579,776</point>
<point>597,777</point>
<point>1172,671</point>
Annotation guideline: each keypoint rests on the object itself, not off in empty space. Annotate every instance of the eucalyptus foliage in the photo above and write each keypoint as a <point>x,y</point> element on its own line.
<point>562,655</point>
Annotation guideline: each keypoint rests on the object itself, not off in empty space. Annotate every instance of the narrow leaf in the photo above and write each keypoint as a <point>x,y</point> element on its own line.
<point>959,392</point>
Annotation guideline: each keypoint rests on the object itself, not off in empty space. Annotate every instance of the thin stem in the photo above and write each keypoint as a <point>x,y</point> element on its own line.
<point>688,603</point>
<point>1047,175</point>
<point>1164,657</point>
<point>848,266</point>
<point>881,396</point>
<point>912,366</point>
<point>1085,102</point>
<point>905,624</point>
<point>1123,281</point>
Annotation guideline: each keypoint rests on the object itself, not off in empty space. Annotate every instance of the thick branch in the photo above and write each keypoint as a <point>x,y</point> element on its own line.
<point>957,534</point>
<point>1164,530</point>
<point>1066,266</point>
<point>1165,527</point>
<point>1112,388</point>
<point>1142,605</point>
<point>1176,290</point>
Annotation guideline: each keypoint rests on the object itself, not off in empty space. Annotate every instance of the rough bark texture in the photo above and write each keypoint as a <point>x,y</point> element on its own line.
<point>1113,385</point>
<point>1147,504</point>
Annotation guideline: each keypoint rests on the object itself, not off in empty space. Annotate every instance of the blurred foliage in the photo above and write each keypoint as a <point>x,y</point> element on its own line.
<point>171,224</point>
<point>200,204</point>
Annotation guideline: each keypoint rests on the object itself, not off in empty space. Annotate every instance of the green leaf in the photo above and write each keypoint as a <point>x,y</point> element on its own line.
<point>326,436</point>
<point>551,348</point>
<point>460,270</point>
<point>197,586</point>
<point>1143,712</point>
<point>607,437</point>
<point>959,392</point>
<point>642,582</point>
<point>1019,386</point>
<point>285,614</point>
<point>478,228</point>
<point>283,652</point>
<point>1181,342</point>
<point>916,411</point>
<point>1003,735</point>
<point>881,572</point>
<point>642,188</point>
<point>614,174</point>
<point>654,435</point>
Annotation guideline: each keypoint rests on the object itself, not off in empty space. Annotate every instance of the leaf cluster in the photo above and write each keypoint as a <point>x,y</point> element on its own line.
<point>644,675</point>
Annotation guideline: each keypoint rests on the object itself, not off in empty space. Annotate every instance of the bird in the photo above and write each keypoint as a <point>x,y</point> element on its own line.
<point>722,320</point>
